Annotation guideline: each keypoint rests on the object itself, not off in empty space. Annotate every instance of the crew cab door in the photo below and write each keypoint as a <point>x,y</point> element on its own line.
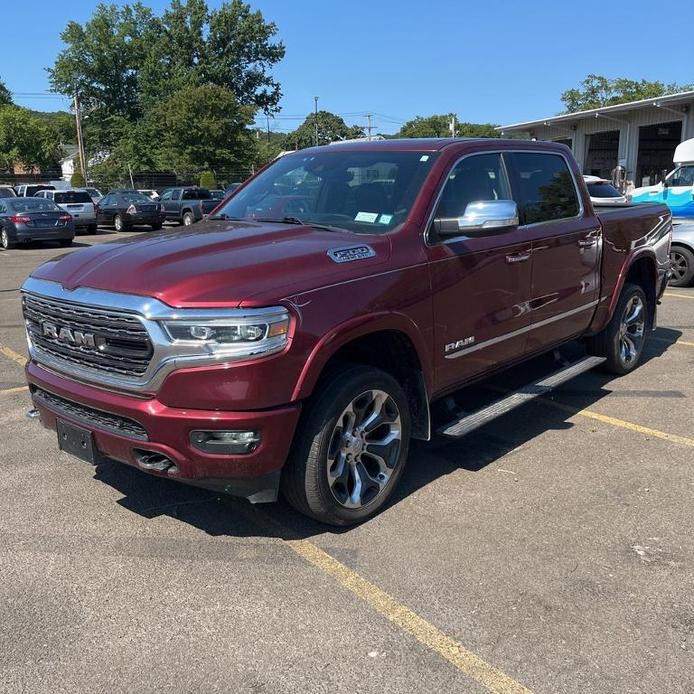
<point>480,286</point>
<point>170,200</point>
<point>566,247</point>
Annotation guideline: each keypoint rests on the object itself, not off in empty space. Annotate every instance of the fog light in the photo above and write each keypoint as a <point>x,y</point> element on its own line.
<point>225,442</point>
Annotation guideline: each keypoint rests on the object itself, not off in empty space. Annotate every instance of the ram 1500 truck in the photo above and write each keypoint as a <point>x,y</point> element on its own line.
<point>296,339</point>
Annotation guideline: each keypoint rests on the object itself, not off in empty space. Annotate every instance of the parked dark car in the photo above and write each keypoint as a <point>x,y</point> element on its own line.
<point>7,192</point>
<point>33,219</point>
<point>124,209</point>
<point>187,205</point>
<point>217,195</point>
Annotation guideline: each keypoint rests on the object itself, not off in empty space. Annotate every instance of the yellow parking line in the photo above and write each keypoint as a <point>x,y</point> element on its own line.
<point>427,634</point>
<point>11,354</point>
<point>679,296</point>
<point>655,433</point>
<point>679,343</point>
<point>19,389</point>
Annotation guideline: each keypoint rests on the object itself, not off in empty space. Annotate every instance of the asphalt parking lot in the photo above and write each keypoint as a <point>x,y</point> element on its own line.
<point>551,551</point>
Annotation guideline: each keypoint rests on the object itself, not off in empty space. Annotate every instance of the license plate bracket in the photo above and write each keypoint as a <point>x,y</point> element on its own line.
<point>76,441</point>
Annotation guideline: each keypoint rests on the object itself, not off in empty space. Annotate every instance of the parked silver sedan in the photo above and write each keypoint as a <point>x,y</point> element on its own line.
<point>33,219</point>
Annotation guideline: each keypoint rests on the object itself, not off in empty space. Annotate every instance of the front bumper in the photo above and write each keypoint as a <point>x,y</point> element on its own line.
<point>145,218</point>
<point>254,476</point>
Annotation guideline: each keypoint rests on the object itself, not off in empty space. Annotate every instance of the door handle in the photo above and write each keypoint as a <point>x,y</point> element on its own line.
<point>586,243</point>
<point>518,257</point>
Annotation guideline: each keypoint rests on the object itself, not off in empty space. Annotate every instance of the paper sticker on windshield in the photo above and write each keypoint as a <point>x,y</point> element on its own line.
<point>370,217</point>
<point>385,218</point>
<point>424,157</point>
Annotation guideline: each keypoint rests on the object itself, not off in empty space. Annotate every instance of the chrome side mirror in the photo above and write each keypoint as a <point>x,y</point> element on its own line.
<point>482,218</point>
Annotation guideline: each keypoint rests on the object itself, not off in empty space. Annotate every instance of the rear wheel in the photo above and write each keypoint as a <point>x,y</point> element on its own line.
<point>622,341</point>
<point>188,219</point>
<point>682,266</point>
<point>5,241</point>
<point>350,449</point>
<point>120,224</point>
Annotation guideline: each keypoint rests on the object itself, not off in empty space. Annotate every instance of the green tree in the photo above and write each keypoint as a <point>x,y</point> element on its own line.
<point>269,145</point>
<point>203,128</point>
<point>26,140</point>
<point>597,90</point>
<point>77,178</point>
<point>440,126</point>
<point>207,180</point>
<point>331,128</point>
<point>62,122</point>
<point>5,96</point>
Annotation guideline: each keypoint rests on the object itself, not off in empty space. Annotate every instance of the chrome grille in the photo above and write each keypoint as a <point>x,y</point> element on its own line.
<point>89,415</point>
<point>104,340</point>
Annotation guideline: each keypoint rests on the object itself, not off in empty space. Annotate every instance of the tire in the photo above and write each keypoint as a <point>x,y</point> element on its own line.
<point>5,240</point>
<point>349,397</point>
<point>187,219</point>
<point>120,224</point>
<point>682,266</point>
<point>622,341</point>
<point>156,227</point>
<point>65,243</point>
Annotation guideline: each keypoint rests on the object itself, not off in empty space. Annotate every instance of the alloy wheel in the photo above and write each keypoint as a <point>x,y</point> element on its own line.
<point>680,266</point>
<point>632,330</point>
<point>5,239</point>
<point>364,449</point>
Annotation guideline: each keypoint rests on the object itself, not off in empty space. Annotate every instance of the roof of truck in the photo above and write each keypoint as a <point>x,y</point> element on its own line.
<point>416,144</point>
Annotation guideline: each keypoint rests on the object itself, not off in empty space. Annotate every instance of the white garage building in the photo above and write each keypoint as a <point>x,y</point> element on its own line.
<point>641,136</point>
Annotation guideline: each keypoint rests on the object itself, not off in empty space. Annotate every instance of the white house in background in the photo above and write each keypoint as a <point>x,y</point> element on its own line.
<point>67,163</point>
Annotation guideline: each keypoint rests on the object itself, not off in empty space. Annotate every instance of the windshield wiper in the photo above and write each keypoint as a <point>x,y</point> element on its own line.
<point>221,215</point>
<point>296,220</point>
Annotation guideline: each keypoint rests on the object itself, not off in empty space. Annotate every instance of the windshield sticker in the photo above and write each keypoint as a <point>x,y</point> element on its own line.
<point>385,218</point>
<point>370,217</point>
<point>424,157</point>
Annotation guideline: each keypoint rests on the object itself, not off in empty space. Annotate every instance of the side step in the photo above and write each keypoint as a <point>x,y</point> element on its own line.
<point>473,421</point>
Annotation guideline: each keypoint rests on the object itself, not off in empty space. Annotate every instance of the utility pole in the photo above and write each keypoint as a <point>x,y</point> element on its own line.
<point>80,138</point>
<point>452,126</point>
<point>267,118</point>
<point>315,122</point>
<point>368,127</point>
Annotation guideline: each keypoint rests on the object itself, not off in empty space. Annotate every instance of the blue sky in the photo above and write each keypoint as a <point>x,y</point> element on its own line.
<point>487,61</point>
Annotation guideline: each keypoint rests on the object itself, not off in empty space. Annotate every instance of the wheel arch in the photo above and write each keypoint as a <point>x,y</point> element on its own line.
<point>391,343</point>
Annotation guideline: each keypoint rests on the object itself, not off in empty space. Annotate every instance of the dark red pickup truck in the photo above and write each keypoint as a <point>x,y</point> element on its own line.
<point>295,340</point>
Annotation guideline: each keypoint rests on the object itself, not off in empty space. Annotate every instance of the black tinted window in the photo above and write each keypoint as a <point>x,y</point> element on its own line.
<point>603,190</point>
<point>197,194</point>
<point>546,189</point>
<point>133,197</point>
<point>684,176</point>
<point>474,179</point>
<point>72,196</point>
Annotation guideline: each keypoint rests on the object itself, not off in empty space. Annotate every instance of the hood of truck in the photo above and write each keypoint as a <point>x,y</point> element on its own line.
<point>221,263</point>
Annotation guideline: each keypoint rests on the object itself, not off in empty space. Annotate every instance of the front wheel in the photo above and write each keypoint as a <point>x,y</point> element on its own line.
<point>622,341</point>
<point>351,447</point>
<point>682,266</point>
<point>120,224</point>
<point>188,219</point>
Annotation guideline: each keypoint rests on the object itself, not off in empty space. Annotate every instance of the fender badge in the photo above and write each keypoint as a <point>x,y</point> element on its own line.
<point>349,253</point>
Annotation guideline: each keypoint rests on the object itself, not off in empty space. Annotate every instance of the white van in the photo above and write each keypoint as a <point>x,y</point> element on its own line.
<point>677,191</point>
<point>78,203</point>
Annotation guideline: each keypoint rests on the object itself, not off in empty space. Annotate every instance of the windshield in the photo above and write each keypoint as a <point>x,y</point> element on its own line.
<point>368,192</point>
<point>71,196</point>
<point>31,205</point>
<point>603,190</point>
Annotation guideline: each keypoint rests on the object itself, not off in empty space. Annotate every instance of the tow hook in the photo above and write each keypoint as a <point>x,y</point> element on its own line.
<point>33,413</point>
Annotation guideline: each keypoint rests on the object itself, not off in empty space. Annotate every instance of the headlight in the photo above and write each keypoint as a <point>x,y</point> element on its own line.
<point>235,337</point>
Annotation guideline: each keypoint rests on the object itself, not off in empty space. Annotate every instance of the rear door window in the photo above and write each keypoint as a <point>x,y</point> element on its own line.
<point>544,187</point>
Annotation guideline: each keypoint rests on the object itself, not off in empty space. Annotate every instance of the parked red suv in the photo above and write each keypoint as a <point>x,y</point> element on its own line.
<point>295,340</point>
